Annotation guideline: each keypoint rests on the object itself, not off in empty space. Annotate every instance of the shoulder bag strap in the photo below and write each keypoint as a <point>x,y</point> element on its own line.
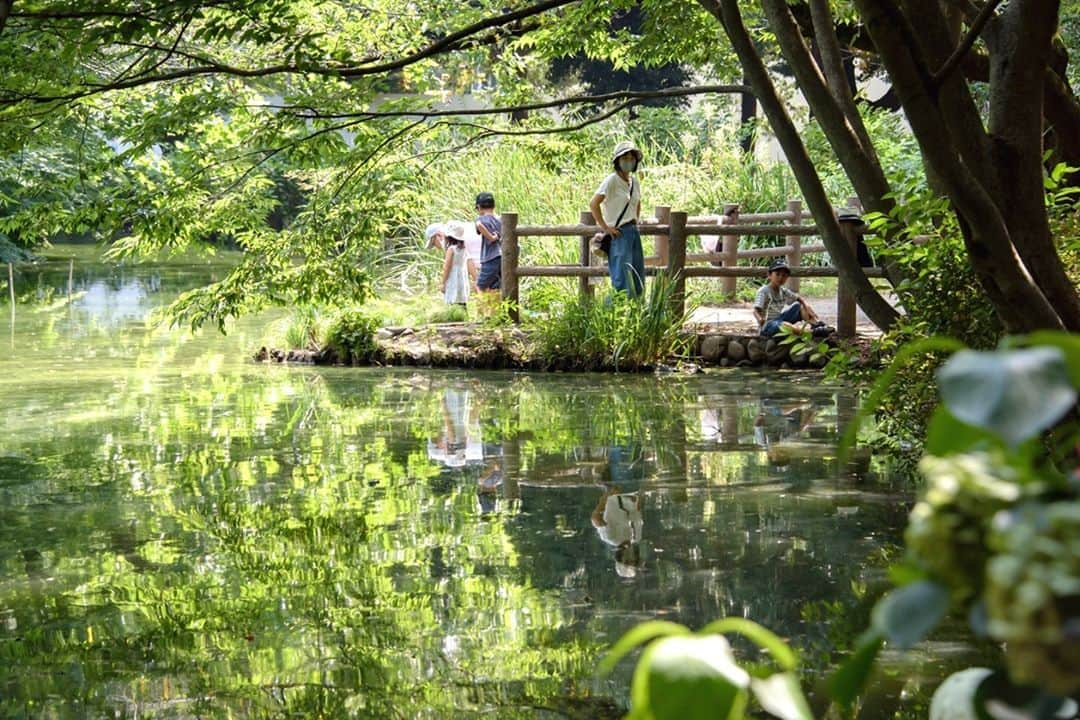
<point>629,199</point>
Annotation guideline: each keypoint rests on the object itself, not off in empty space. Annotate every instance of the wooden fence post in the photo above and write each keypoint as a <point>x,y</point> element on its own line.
<point>585,256</point>
<point>510,264</point>
<point>677,262</point>
<point>663,217</point>
<point>794,257</point>
<point>730,247</point>
<point>845,298</point>
<point>729,421</point>
<point>11,290</point>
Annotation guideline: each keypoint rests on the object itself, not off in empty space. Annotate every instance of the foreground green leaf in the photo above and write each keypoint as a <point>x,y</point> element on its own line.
<point>1015,394</point>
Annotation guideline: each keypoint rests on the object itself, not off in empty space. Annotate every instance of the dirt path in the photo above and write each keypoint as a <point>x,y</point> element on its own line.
<point>738,317</point>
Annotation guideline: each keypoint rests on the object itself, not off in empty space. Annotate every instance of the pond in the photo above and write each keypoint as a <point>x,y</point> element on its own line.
<point>184,532</point>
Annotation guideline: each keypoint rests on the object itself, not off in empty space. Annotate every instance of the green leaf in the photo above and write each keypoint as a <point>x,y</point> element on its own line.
<point>781,696</point>
<point>762,637</point>
<point>1069,344</point>
<point>1014,393</point>
<point>908,614</point>
<point>640,635</point>
<point>693,677</point>
<point>849,679</point>
<point>945,435</point>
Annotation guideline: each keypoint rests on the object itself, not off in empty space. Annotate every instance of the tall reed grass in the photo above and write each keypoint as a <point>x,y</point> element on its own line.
<point>611,332</point>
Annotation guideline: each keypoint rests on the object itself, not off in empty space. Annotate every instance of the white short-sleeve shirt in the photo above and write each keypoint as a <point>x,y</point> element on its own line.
<point>616,192</point>
<point>472,242</point>
<point>622,519</point>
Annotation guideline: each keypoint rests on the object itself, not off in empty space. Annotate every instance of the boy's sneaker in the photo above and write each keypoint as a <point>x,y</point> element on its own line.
<point>821,330</point>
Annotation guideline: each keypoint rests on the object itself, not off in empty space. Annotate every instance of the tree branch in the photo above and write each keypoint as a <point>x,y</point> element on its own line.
<point>310,113</point>
<point>454,41</point>
<point>832,65</point>
<point>966,43</point>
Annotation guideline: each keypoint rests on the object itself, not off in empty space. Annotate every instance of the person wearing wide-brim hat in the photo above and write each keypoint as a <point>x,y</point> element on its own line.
<point>616,206</point>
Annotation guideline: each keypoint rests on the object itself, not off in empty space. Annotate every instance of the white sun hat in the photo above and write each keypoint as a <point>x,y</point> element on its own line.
<point>431,231</point>
<point>455,229</point>
<point>626,147</point>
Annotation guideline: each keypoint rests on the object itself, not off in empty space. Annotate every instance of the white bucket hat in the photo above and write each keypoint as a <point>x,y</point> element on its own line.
<point>626,147</point>
<point>431,231</point>
<point>456,230</point>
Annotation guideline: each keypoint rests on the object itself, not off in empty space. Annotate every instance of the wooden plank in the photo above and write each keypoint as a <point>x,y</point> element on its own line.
<point>690,271</point>
<point>658,229</point>
<point>677,255</point>
<point>706,271</point>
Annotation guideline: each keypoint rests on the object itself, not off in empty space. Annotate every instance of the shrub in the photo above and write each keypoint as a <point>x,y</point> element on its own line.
<point>614,332</point>
<point>351,335</point>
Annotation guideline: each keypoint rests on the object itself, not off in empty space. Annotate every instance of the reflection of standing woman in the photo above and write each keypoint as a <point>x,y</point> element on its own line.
<point>616,206</point>
<point>455,275</point>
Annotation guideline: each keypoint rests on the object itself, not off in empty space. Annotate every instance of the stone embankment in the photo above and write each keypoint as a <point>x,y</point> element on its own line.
<point>467,345</point>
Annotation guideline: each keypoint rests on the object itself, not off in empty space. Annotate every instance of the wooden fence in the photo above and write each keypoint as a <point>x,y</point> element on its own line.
<point>671,230</point>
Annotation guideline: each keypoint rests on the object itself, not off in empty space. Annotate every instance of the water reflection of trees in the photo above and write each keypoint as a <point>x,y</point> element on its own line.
<point>225,538</point>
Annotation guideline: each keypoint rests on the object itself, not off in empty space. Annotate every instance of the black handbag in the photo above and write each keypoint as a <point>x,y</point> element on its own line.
<point>605,242</point>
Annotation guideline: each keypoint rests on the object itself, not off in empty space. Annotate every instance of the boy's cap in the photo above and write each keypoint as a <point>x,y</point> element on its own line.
<point>779,265</point>
<point>485,200</point>
<point>455,229</point>
<point>626,147</point>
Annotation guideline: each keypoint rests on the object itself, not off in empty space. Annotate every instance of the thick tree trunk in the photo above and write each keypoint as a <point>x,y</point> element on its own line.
<point>873,304</point>
<point>834,108</point>
<point>953,97</point>
<point>5,12</point>
<point>1016,298</point>
<point>1019,57</point>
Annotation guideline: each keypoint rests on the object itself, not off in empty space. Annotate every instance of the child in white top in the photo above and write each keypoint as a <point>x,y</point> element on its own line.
<point>455,274</point>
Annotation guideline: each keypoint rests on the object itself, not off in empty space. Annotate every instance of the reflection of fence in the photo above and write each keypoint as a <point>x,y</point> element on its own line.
<point>671,230</point>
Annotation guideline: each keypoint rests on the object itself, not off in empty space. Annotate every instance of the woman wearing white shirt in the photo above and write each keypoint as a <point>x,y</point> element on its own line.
<point>616,206</point>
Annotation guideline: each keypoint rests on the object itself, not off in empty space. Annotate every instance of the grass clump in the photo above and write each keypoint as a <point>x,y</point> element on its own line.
<point>614,332</point>
<point>350,336</point>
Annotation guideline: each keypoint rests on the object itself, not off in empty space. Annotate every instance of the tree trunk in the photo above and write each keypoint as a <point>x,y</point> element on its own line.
<point>747,116</point>
<point>1063,117</point>
<point>1019,56</point>
<point>839,119</point>
<point>873,304</point>
<point>1017,300</point>
<point>832,66</point>
<point>5,12</point>
<point>953,98</point>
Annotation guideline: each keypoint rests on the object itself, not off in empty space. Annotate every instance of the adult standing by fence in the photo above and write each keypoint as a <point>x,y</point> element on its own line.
<point>616,206</point>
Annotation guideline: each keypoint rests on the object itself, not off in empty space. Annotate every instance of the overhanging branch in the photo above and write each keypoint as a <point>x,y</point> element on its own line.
<point>449,43</point>
<point>968,41</point>
<point>630,95</point>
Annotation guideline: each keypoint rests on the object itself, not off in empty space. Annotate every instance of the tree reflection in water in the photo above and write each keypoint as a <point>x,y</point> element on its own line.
<point>185,533</point>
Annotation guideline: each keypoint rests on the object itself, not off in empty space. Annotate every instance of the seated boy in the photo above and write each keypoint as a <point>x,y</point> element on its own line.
<point>775,306</point>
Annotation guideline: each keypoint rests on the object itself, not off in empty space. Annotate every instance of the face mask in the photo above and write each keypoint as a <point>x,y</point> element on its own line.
<point>628,165</point>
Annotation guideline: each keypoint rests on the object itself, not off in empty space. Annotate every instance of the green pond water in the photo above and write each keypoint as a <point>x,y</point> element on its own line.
<point>187,533</point>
